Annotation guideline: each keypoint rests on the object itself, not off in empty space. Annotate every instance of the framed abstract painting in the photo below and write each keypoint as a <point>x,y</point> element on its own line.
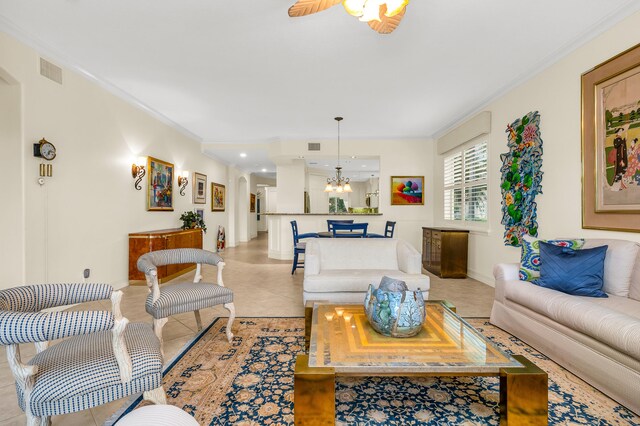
<point>407,190</point>
<point>218,197</point>
<point>610,144</point>
<point>160,185</point>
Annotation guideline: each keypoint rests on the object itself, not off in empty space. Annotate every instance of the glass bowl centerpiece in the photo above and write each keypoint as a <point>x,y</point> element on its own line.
<point>394,310</point>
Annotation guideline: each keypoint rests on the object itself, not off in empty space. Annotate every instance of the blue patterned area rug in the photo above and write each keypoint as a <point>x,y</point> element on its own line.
<point>250,382</point>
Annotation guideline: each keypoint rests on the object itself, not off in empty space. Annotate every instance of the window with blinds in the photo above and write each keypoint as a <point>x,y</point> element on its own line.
<point>465,184</point>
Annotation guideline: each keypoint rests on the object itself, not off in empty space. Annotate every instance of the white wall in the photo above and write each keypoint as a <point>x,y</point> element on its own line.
<point>12,255</point>
<point>555,93</point>
<point>291,178</point>
<point>81,217</point>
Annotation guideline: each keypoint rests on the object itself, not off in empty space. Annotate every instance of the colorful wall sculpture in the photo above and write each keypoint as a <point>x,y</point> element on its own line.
<point>521,178</point>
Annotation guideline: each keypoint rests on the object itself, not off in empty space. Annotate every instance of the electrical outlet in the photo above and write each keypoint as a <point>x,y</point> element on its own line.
<point>87,272</point>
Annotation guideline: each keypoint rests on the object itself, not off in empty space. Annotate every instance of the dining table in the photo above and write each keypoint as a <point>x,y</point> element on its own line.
<point>329,234</point>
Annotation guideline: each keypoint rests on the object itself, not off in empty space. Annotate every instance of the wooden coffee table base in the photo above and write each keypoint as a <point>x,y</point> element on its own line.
<point>523,394</point>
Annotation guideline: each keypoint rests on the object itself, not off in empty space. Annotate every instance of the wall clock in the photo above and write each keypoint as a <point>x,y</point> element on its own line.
<point>44,149</point>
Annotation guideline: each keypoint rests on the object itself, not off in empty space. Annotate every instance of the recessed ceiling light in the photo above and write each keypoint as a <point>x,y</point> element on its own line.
<point>326,165</point>
<point>243,154</point>
<point>353,156</point>
<point>264,170</point>
<point>364,165</point>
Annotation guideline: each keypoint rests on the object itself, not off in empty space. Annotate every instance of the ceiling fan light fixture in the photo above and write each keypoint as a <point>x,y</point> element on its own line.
<point>395,6</point>
<point>371,11</point>
<point>354,7</point>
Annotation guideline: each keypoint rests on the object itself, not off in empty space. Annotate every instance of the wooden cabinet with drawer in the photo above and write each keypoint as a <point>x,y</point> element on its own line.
<point>145,242</point>
<point>444,251</point>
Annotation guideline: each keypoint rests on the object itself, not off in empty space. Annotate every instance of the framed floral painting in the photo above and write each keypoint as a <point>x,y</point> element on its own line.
<point>218,197</point>
<point>611,144</point>
<point>160,185</point>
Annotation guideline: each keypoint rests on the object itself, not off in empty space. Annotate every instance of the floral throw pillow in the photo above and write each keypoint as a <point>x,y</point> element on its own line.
<point>530,259</point>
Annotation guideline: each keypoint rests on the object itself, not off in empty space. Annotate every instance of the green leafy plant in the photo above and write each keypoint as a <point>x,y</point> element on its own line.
<point>191,219</point>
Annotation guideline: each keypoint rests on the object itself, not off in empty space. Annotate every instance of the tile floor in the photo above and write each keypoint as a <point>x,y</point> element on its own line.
<point>262,287</point>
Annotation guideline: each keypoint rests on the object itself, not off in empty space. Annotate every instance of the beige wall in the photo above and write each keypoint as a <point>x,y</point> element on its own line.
<point>81,217</point>
<point>555,93</point>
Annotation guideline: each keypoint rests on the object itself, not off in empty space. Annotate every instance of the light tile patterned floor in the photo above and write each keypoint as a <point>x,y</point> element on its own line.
<point>261,286</point>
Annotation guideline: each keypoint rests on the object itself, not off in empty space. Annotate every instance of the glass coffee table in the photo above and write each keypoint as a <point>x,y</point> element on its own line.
<point>340,342</point>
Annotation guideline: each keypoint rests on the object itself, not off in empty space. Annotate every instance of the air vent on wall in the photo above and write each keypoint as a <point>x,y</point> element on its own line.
<point>51,71</point>
<point>314,146</point>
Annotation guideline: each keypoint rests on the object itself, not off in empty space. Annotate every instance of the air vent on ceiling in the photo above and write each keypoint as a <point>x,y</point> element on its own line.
<point>51,71</point>
<point>314,146</point>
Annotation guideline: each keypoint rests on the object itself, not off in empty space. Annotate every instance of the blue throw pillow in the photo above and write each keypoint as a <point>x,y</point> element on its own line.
<point>576,272</point>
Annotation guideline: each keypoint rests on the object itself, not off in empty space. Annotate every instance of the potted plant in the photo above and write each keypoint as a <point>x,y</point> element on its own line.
<point>192,220</point>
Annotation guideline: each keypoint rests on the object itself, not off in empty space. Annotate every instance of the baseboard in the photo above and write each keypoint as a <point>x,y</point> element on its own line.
<point>485,279</point>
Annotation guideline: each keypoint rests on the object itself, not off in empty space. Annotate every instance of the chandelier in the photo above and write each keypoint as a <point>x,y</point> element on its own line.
<point>383,16</point>
<point>338,183</point>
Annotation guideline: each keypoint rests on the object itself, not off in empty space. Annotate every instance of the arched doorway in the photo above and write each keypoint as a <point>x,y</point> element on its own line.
<point>242,210</point>
<point>12,250</point>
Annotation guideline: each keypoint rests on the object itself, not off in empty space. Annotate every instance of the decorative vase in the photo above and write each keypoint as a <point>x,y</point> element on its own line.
<point>394,310</point>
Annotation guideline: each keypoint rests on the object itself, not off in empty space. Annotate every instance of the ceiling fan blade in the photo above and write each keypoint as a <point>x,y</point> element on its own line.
<point>386,24</point>
<point>307,7</point>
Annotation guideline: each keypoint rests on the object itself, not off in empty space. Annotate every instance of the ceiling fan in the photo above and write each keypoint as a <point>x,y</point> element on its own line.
<point>383,16</point>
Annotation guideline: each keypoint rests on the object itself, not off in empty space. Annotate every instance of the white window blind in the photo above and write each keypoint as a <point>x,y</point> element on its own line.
<point>465,184</point>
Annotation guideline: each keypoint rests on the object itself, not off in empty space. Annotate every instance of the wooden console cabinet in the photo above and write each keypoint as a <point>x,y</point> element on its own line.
<point>145,242</point>
<point>444,251</point>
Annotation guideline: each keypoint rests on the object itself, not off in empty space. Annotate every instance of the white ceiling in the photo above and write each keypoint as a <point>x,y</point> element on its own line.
<point>243,71</point>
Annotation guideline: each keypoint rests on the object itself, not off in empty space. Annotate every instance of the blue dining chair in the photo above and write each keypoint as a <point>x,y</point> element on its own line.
<point>331,222</point>
<point>299,246</point>
<point>388,231</point>
<point>340,230</point>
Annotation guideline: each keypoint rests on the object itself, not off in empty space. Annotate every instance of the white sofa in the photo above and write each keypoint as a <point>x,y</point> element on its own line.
<point>341,269</point>
<point>598,339</point>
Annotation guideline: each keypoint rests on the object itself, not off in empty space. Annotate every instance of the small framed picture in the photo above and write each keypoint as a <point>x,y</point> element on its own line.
<point>199,188</point>
<point>252,203</point>
<point>218,197</point>
<point>407,190</point>
<point>200,213</point>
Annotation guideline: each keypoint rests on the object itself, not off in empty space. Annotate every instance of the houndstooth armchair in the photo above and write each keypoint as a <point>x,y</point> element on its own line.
<point>172,299</point>
<point>103,359</point>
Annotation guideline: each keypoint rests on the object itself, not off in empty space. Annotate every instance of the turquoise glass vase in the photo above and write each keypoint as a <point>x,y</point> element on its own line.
<point>394,310</point>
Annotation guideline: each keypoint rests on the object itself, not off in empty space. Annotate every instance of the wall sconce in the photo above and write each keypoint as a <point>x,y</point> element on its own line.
<point>183,180</point>
<point>138,172</point>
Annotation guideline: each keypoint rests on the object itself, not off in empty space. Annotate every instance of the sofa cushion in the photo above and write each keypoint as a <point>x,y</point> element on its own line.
<point>634,288</point>
<point>617,329</point>
<point>576,272</point>
<point>618,264</point>
<point>345,280</point>
<point>530,254</point>
<point>357,253</point>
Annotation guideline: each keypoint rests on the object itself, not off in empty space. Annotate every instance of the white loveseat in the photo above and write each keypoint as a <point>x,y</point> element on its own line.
<point>341,269</point>
<point>598,339</point>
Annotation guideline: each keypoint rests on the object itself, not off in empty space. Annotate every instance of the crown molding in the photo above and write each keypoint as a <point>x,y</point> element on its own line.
<point>51,53</point>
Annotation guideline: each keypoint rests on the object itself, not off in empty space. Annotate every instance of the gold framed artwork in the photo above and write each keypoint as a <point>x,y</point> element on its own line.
<point>199,188</point>
<point>218,197</point>
<point>407,190</point>
<point>252,203</point>
<point>160,185</point>
<point>610,144</point>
